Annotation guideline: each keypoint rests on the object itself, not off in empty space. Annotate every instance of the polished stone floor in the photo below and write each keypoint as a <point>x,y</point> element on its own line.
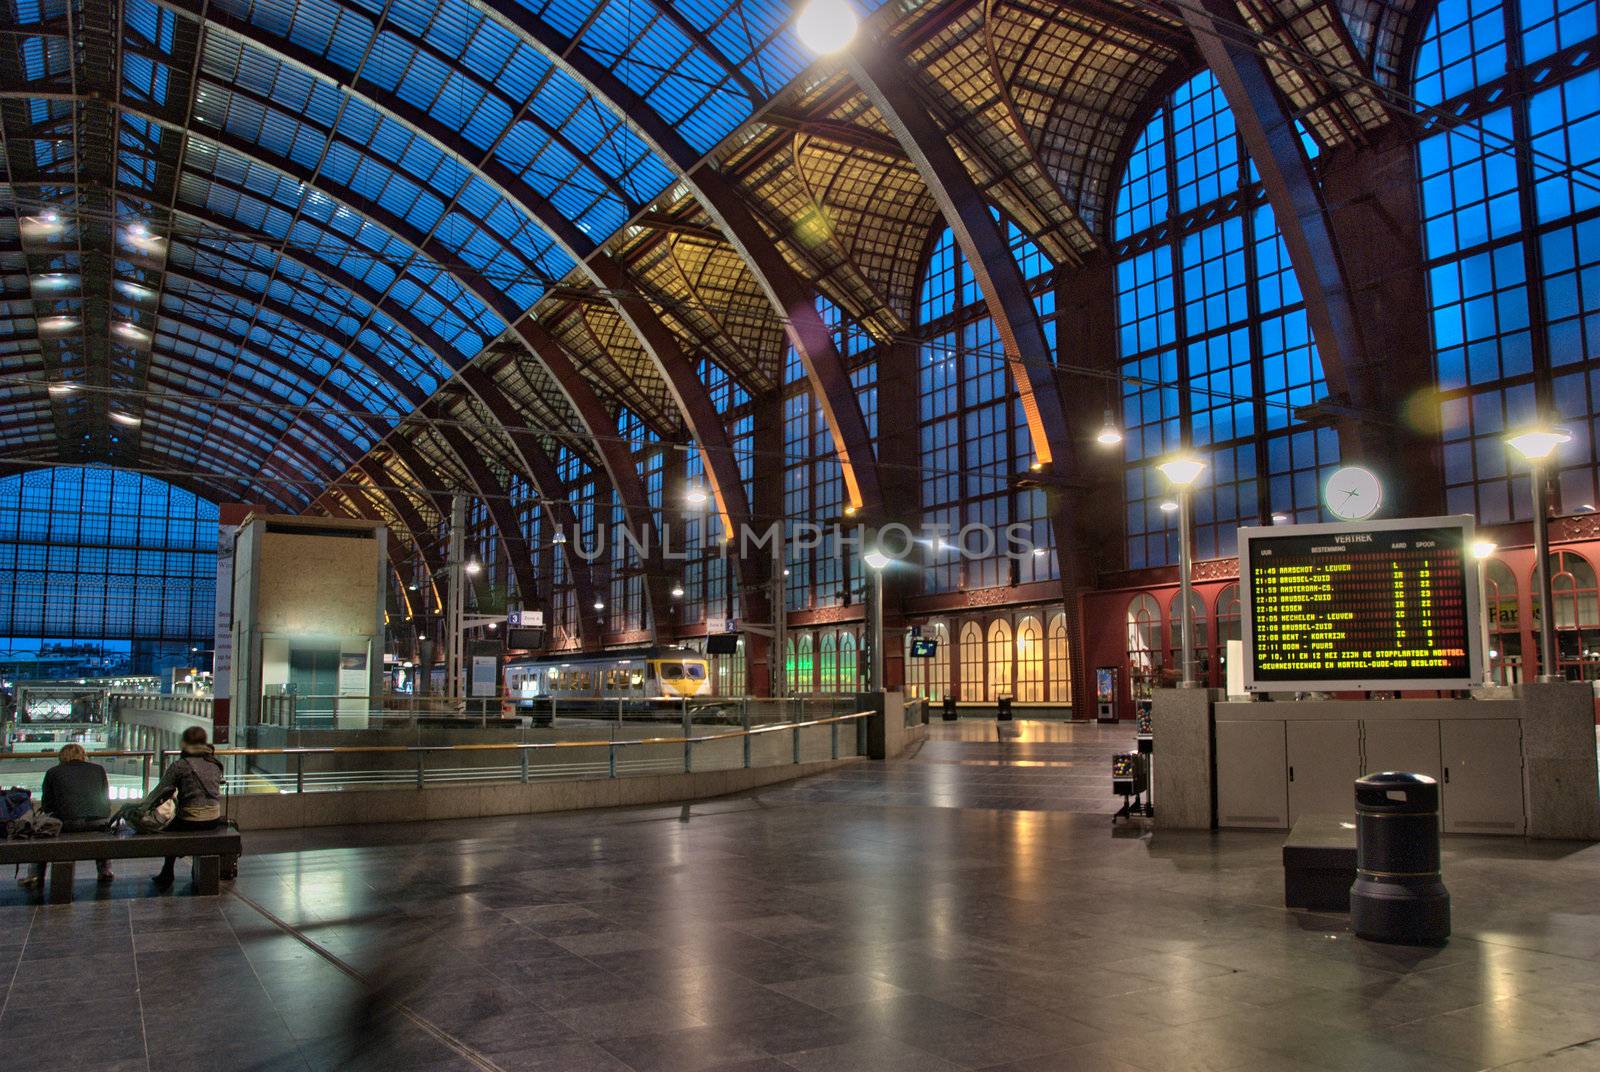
<point>971,907</point>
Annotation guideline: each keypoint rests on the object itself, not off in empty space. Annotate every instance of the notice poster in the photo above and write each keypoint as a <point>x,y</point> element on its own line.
<point>485,676</point>
<point>1371,605</point>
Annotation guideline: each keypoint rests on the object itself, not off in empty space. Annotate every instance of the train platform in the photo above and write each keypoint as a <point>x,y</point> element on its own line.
<point>969,907</point>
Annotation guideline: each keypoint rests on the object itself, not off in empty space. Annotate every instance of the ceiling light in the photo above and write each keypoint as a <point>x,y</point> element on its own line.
<point>1109,435</point>
<point>134,290</point>
<point>1278,519</point>
<point>826,26</point>
<point>130,331</point>
<point>473,566</point>
<point>125,418</point>
<point>1169,507</point>
<point>59,389</point>
<point>677,591</point>
<point>46,223</point>
<point>53,281</point>
<point>598,605</point>
<point>1038,552</point>
<point>58,323</point>
<point>559,537</point>
<point>695,495</point>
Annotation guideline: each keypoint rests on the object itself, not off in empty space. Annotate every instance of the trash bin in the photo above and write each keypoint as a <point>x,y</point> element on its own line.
<point>1398,896</point>
<point>949,708</point>
<point>1002,712</point>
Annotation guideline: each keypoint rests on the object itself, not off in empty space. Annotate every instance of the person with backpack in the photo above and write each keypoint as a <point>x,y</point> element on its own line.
<point>79,794</point>
<point>195,779</point>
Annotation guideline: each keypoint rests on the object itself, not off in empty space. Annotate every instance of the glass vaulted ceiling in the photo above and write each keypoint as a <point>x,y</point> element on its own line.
<point>344,235</point>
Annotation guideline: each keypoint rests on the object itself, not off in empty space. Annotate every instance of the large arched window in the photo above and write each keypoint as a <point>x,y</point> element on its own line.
<point>1144,642</point>
<point>1216,350</point>
<point>1505,622</point>
<point>999,659</point>
<point>1030,660</point>
<point>828,663</point>
<point>1059,657</point>
<point>849,674</point>
<point>1575,593</point>
<point>1229,626</point>
<point>1510,191</point>
<point>929,676</point>
<point>115,570</point>
<point>974,434</point>
<point>972,662</point>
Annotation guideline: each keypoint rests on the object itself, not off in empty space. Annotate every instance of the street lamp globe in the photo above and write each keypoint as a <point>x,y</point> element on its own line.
<point>1537,444</point>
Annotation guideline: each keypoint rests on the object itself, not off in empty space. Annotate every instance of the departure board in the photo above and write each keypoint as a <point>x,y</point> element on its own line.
<point>1371,605</point>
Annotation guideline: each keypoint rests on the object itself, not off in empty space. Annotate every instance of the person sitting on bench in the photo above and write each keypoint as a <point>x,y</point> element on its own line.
<point>79,794</point>
<point>196,778</point>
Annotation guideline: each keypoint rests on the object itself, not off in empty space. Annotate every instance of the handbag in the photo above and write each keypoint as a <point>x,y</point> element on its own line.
<point>146,819</point>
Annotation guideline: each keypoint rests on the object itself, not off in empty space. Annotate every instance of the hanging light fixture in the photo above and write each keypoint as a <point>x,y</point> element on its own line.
<point>826,26</point>
<point>1109,435</point>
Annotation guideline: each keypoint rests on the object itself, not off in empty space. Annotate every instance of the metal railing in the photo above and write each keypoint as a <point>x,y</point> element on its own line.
<point>324,769</point>
<point>146,762</point>
<point>193,706</point>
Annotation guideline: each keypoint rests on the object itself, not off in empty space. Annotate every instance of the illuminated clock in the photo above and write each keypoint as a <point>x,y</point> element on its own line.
<point>1353,493</point>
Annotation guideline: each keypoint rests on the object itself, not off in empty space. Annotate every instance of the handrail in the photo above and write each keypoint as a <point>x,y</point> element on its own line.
<point>52,755</point>
<point>508,746</point>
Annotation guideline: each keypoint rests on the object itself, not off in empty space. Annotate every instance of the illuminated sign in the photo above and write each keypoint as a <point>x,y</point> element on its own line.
<point>1373,605</point>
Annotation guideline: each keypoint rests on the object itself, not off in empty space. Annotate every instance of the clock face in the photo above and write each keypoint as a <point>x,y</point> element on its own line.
<point>1353,493</point>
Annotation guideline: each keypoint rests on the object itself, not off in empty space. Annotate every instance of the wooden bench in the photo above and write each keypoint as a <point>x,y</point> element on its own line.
<point>206,848</point>
<point>1319,863</point>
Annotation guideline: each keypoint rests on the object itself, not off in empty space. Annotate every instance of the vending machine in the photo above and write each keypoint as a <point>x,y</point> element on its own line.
<point>1105,693</point>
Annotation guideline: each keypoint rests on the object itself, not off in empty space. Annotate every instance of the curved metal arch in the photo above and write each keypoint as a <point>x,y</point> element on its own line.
<point>326,434</point>
<point>598,422</point>
<point>1274,147</point>
<point>793,299</point>
<point>624,479</point>
<point>313,467</point>
<point>351,407</point>
<point>410,517</point>
<point>403,388</point>
<point>176,471</point>
<point>577,390</point>
<point>693,399</point>
<point>887,83</point>
<point>423,334</point>
<point>595,418</point>
<point>267,464</point>
<point>348,501</point>
<point>493,494</point>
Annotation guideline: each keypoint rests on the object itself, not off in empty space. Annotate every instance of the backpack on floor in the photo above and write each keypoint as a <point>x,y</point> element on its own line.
<point>14,804</point>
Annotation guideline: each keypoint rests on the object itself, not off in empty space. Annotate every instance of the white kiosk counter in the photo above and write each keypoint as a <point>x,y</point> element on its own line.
<point>1522,763</point>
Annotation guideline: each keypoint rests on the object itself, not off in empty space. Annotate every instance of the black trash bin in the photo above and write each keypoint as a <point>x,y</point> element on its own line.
<point>1002,711</point>
<point>949,708</point>
<point>1398,896</point>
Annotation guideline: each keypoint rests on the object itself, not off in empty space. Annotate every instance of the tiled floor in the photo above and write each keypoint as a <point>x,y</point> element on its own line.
<point>901,918</point>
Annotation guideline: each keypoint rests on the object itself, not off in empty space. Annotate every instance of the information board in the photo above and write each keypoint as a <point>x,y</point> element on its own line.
<point>1369,605</point>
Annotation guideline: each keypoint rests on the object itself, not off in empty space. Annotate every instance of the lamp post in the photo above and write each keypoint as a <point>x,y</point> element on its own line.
<point>1536,445</point>
<point>876,562</point>
<point>1181,472</point>
<point>1481,550</point>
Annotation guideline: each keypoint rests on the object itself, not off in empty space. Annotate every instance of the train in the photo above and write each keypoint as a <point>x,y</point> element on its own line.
<point>642,678</point>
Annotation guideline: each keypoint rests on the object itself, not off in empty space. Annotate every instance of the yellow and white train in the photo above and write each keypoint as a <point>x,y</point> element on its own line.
<point>646,676</point>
